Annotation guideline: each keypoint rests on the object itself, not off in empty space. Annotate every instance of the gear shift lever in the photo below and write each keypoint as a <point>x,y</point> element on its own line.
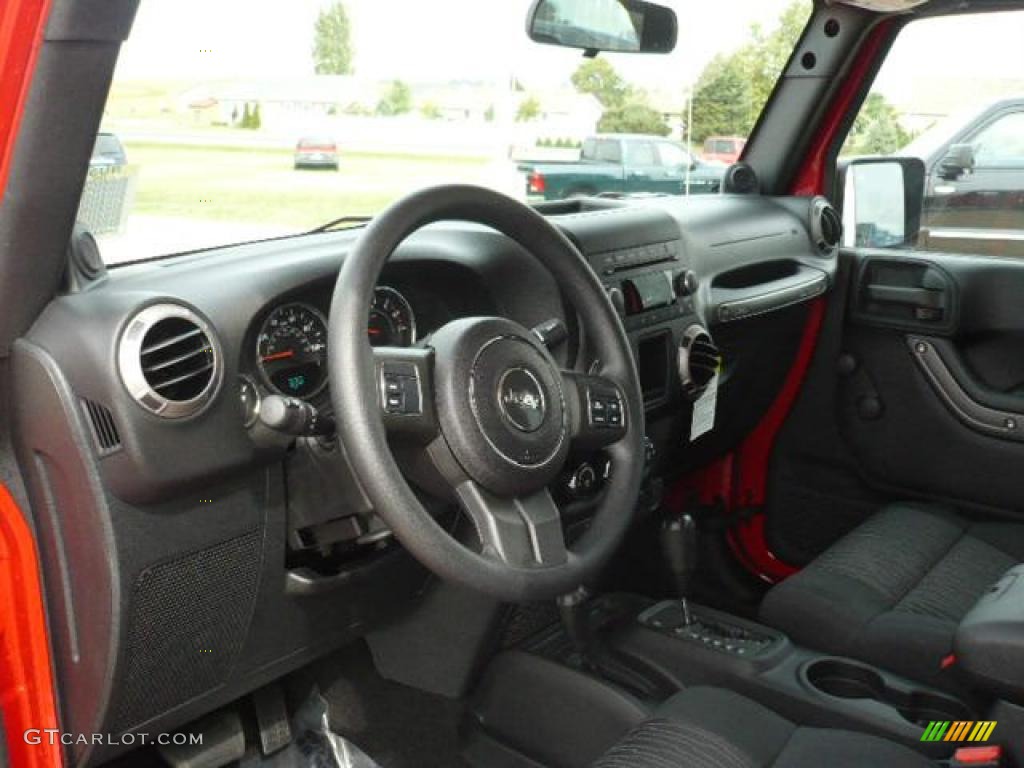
<point>576,623</point>
<point>679,545</point>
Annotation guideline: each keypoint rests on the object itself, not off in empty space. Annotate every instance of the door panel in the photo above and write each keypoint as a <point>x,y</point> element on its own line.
<point>917,392</point>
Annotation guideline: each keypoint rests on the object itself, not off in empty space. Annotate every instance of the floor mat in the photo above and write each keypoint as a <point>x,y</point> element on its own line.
<point>397,726</point>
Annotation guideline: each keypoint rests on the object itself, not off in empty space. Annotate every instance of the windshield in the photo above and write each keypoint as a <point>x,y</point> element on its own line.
<point>235,121</point>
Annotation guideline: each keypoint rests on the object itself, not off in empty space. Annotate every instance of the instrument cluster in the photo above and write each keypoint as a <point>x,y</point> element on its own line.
<point>291,347</point>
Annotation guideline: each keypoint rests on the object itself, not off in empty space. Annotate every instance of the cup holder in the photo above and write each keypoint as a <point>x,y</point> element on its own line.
<point>922,708</point>
<point>847,680</point>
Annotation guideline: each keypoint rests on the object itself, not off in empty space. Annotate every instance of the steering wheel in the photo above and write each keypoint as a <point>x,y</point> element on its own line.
<point>492,412</point>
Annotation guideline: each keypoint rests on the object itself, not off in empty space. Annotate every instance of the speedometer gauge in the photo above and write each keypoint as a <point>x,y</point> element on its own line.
<point>292,350</point>
<point>392,323</point>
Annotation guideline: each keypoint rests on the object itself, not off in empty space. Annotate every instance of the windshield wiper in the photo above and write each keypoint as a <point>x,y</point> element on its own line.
<point>335,223</point>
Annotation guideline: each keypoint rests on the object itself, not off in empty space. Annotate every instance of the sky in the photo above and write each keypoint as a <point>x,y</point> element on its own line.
<point>484,40</point>
<point>412,40</point>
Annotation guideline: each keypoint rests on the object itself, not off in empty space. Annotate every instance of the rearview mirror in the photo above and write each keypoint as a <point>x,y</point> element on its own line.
<point>958,159</point>
<point>619,26</point>
<point>880,198</point>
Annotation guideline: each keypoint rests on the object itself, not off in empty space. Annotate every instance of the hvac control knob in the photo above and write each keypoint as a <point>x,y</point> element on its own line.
<point>687,283</point>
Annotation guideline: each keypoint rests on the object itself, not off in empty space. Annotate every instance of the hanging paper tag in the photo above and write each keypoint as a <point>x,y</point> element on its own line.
<point>704,410</point>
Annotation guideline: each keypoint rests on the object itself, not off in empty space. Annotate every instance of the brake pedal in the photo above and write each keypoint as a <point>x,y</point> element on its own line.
<point>272,718</point>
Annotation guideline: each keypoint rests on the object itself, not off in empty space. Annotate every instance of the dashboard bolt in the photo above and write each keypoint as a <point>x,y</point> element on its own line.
<point>1010,423</point>
<point>921,347</point>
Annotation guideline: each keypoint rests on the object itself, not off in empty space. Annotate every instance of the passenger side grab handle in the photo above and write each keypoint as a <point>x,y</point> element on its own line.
<point>919,298</point>
<point>909,294</point>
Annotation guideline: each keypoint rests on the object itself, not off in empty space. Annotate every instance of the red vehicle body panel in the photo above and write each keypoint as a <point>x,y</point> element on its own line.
<point>27,693</point>
<point>739,481</point>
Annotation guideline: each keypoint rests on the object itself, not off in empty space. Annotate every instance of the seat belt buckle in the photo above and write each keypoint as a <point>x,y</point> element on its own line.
<point>989,756</point>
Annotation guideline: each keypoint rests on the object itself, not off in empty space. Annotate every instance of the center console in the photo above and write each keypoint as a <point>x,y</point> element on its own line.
<point>713,630</point>
<point>807,687</point>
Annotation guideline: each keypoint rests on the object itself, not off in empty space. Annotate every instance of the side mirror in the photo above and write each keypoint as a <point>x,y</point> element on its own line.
<point>618,26</point>
<point>960,158</point>
<point>881,199</point>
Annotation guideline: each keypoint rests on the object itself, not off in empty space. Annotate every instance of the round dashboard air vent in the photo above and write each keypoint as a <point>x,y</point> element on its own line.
<point>826,225</point>
<point>698,361</point>
<point>169,361</point>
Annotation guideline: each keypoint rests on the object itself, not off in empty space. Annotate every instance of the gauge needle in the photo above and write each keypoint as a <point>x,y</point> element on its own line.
<point>279,355</point>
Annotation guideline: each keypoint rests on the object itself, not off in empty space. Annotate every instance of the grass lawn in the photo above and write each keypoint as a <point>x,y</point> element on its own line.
<point>261,186</point>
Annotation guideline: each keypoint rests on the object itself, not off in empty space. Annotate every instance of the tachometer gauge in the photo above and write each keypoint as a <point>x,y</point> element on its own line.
<point>392,323</point>
<point>292,349</point>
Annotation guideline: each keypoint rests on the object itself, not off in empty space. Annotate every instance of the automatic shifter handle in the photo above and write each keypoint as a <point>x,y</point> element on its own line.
<point>679,545</point>
<point>575,615</point>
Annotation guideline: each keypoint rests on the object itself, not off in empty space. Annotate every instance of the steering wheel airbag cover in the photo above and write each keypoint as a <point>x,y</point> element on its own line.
<point>490,374</point>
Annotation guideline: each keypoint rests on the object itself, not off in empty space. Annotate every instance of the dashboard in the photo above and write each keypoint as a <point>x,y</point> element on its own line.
<point>143,430</point>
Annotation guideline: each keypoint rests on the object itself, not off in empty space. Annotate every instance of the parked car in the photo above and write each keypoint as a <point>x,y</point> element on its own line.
<point>108,152</point>
<point>974,187</point>
<point>316,152</point>
<point>723,149</point>
<point>623,164</point>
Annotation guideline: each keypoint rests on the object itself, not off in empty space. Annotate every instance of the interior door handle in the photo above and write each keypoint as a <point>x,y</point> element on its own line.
<point>923,298</point>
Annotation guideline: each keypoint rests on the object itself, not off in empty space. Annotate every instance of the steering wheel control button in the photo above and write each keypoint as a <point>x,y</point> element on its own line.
<point>521,400</point>
<point>605,410</point>
<point>400,388</point>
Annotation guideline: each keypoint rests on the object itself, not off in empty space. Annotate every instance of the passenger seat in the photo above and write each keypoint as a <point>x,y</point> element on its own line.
<point>893,591</point>
<point>715,728</point>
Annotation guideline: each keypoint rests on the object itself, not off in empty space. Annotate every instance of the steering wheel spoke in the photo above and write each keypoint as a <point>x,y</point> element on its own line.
<point>405,392</point>
<point>599,415</point>
<point>522,531</point>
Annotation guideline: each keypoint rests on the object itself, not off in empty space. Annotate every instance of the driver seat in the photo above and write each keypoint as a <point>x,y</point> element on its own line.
<point>715,728</point>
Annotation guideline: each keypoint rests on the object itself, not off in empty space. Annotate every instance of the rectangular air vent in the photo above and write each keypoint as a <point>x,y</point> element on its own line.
<point>104,431</point>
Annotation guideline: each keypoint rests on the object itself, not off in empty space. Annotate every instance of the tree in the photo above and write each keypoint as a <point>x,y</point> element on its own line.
<point>625,107</point>
<point>332,43</point>
<point>722,100</point>
<point>397,100</point>
<point>877,130</point>
<point>246,117</point>
<point>529,109</point>
<point>766,55</point>
<point>599,78</point>
<point>430,110</point>
<point>489,114</point>
<point>256,122</point>
<point>734,87</point>
<point>635,117</point>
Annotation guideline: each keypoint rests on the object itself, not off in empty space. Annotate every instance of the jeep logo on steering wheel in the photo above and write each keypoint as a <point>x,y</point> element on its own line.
<point>521,400</point>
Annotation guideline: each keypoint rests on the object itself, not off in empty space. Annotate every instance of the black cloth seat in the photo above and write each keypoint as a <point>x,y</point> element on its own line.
<point>893,591</point>
<point>715,728</point>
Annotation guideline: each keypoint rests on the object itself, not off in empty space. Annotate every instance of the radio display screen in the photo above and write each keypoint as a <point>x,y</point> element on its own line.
<point>653,290</point>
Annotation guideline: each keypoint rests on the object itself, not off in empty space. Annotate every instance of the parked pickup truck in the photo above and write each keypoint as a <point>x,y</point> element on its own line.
<point>623,164</point>
<point>974,188</point>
